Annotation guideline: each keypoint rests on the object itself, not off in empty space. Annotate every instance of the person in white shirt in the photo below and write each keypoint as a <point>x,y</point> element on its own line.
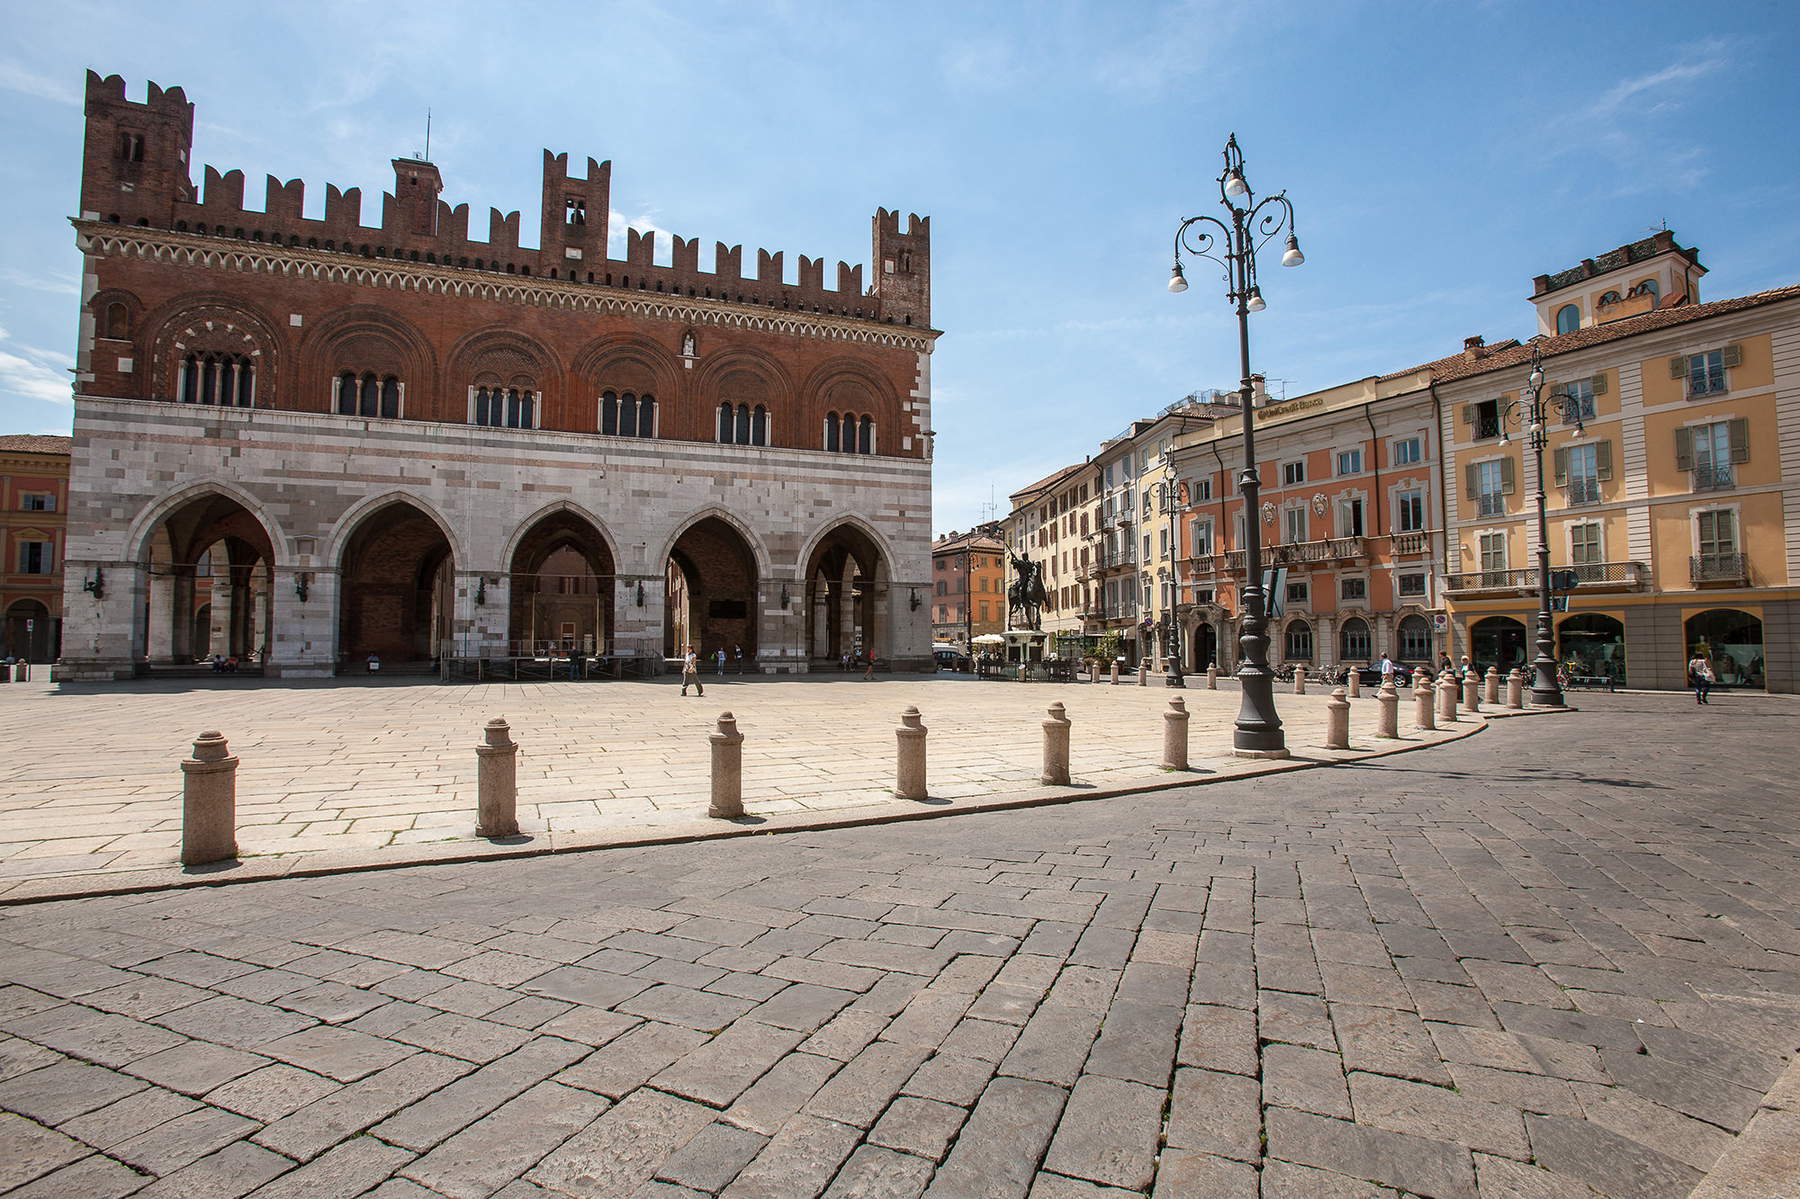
<point>690,670</point>
<point>1387,670</point>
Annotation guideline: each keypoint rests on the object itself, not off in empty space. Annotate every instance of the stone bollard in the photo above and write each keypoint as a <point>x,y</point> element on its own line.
<point>1492,686</point>
<point>727,770</point>
<point>1299,680</point>
<point>1471,689</point>
<point>1515,689</point>
<point>1056,748</point>
<point>1212,677</point>
<point>209,802</point>
<point>1353,683</point>
<point>909,770</point>
<point>1424,714</point>
<point>1337,721</point>
<point>1175,735</point>
<point>1387,719</point>
<point>1115,672</point>
<point>497,782</point>
<point>1446,698</point>
<point>1144,673</point>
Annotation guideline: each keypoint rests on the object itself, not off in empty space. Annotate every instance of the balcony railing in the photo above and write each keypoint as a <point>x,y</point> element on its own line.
<point>1490,504</point>
<point>1591,576</point>
<point>1718,568</point>
<point>1412,543</point>
<point>1581,491</point>
<point>1110,559</point>
<point>1713,477</point>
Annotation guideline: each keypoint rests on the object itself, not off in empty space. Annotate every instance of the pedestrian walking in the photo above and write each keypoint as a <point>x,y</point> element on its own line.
<point>869,674</point>
<point>1701,677</point>
<point>720,659</point>
<point>1443,663</point>
<point>737,656</point>
<point>690,671</point>
<point>1387,670</point>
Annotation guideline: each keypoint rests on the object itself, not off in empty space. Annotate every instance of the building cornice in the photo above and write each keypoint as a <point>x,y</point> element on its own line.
<point>102,240</point>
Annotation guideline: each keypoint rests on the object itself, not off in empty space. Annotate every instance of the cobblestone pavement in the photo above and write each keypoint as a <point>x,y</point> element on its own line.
<point>90,781</point>
<point>1555,959</point>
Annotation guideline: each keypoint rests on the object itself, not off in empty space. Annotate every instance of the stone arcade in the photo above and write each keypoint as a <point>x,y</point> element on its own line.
<point>305,441</point>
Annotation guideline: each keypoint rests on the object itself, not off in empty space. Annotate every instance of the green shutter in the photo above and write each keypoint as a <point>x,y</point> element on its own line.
<point>1468,414</point>
<point>1603,460</point>
<point>1562,467</point>
<point>1469,481</point>
<point>1740,440</point>
<point>1684,449</point>
<point>1678,367</point>
<point>1508,484</point>
<point>1598,382</point>
<point>1734,355</point>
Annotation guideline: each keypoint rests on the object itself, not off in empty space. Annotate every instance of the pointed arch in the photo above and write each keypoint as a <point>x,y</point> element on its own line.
<point>552,509</point>
<point>344,527</point>
<point>759,551</point>
<point>150,520</point>
<point>861,523</point>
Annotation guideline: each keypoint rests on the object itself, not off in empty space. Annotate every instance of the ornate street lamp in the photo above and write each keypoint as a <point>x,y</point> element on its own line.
<point>1234,247</point>
<point>1531,411</point>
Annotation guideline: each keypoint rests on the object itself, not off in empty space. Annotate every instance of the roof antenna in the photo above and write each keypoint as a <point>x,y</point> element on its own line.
<point>427,135</point>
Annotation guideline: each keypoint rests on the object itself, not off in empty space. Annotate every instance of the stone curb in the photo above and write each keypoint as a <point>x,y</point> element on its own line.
<point>329,862</point>
<point>1763,1162</point>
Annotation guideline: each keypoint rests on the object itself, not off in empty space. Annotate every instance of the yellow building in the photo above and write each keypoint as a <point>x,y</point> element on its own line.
<point>1676,501</point>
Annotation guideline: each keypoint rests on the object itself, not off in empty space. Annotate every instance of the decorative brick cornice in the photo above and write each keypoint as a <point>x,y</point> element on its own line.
<point>192,250</point>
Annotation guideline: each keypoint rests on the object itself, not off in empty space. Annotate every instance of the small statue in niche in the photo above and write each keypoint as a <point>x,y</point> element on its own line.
<point>687,344</point>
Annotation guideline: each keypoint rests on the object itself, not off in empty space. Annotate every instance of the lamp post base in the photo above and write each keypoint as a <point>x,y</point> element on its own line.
<point>1171,679</point>
<point>1259,753</point>
<point>1547,699</point>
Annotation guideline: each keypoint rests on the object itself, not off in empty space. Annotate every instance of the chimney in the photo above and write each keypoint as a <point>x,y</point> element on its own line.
<point>1259,391</point>
<point>1472,346</point>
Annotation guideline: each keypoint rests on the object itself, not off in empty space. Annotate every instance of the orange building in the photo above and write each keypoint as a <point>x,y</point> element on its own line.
<point>968,573</point>
<point>34,493</point>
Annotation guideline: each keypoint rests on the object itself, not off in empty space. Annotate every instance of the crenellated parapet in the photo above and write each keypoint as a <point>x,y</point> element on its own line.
<point>137,171</point>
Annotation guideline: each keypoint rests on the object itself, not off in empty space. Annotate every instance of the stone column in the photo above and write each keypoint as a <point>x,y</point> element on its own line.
<point>1175,735</point>
<point>181,615</point>
<point>220,613</point>
<point>821,638</point>
<point>909,769</point>
<point>727,770</point>
<point>1387,719</point>
<point>1337,720</point>
<point>497,782</point>
<point>1299,678</point>
<point>160,642</point>
<point>209,802</point>
<point>1212,677</point>
<point>1056,748</point>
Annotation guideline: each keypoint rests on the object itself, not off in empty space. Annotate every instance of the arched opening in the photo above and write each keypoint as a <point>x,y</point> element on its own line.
<point>1355,645</point>
<point>1497,641</point>
<point>1204,647</point>
<point>1299,641</point>
<point>1592,645</point>
<point>562,589</point>
<point>1733,642</point>
<point>712,581</point>
<point>28,632</point>
<point>847,597</point>
<point>1415,640</point>
<point>1568,319</point>
<point>211,591</point>
<point>396,590</point>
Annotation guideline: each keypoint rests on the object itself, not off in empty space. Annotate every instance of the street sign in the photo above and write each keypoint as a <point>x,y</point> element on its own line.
<point>1274,592</point>
<point>1564,580</point>
<point>1559,603</point>
<point>1440,621</point>
<point>30,624</point>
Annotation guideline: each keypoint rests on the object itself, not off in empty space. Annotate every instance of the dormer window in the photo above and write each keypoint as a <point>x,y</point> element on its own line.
<point>1568,319</point>
<point>1611,297</point>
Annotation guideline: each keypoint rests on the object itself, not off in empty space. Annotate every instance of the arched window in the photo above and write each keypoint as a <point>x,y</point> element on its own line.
<point>228,380</point>
<point>1299,641</point>
<point>1611,297</point>
<point>1354,644</point>
<point>1648,288</point>
<point>742,425</point>
<point>646,416</point>
<point>1568,319</point>
<point>118,322</point>
<point>847,442</point>
<point>1415,639</point>
<point>865,436</point>
<point>609,412</point>
<point>628,415</point>
<point>367,394</point>
<point>505,407</point>
<point>741,432</point>
<point>725,437</point>
<point>831,431</point>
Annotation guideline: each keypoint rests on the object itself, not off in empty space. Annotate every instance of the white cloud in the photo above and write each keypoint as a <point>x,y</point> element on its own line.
<point>1623,124</point>
<point>34,374</point>
<point>15,78</point>
<point>617,224</point>
<point>55,284</point>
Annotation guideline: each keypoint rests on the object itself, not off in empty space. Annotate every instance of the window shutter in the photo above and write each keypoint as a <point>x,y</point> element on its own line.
<point>1740,440</point>
<point>1469,481</point>
<point>1598,382</point>
<point>1684,449</point>
<point>1603,461</point>
<point>1468,414</point>
<point>1562,467</point>
<point>1678,367</point>
<point>1508,484</point>
<point>1734,354</point>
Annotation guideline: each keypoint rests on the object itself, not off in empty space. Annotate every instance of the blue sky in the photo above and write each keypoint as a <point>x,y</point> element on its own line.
<point>1438,156</point>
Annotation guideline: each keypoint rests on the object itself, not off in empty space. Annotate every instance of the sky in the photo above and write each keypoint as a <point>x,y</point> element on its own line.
<point>1438,156</point>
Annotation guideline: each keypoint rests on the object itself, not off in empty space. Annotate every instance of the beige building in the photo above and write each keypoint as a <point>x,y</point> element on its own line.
<point>1045,525</point>
<point>1677,499</point>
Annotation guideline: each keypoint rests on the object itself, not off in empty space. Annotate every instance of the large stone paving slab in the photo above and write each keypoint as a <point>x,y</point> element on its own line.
<point>1537,962</point>
<point>90,778</point>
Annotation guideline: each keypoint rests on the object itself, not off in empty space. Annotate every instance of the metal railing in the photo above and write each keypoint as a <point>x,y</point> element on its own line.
<point>1713,477</point>
<point>1491,503</point>
<point>1610,576</point>
<point>1718,568</point>
<point>1580,492</point>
